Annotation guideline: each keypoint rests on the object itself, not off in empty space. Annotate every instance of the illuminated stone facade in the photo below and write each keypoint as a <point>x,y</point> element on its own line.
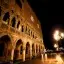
<point>20,31</point>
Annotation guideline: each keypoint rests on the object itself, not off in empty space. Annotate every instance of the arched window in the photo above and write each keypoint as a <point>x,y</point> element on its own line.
<point>13,22</point>
<point>29,32</point>
<point>22,29</point>
<point>18,24</point>
<point>33,35</point>
<point>6,18</point>
<point>26,28</point>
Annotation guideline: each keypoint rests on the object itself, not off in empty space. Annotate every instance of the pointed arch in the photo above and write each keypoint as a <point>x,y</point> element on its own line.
<point>13,22</point>
<point>6,17</point>
<point>5,46</point>
<point>27,48</point>
<point>18,49</point>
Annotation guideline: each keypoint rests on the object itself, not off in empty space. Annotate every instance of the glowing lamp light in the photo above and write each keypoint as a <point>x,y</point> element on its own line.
<point>55,45</point>
<point>57,32</point>
<point>62,35</point>
<point>56,35</point>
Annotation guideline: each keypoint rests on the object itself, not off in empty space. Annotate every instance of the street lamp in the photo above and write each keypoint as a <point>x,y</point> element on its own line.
<point>56,38</point>
<point>62,35</point>
<point>56,46</point>
<point>56,35</point>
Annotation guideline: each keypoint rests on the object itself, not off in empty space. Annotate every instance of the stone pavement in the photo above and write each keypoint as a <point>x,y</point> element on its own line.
<point>39,61</point>
<point>53,60</point>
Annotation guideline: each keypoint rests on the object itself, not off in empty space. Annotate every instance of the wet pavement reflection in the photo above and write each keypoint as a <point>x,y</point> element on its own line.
<point>50,59</point>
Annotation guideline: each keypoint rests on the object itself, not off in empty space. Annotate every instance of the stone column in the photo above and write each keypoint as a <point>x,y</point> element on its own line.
<point>38,50</point>
<point>45,56</point>
<point>12,54</point>
<point>42,57</point>
<point>23,54</point>
<point>35,50</point>
<point>19,53</point>
<point>30,52</point>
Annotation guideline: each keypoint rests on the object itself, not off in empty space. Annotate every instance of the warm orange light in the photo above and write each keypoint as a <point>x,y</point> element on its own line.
<point>59,59</point>
<point>62,35</point>
<point>56,35</point>
<point>55,45</point>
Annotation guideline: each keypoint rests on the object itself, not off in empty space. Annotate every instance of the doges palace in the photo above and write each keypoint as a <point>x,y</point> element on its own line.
<point>20,31</point>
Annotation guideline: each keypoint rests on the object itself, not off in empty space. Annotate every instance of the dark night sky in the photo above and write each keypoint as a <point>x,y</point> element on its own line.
<point>50,14</point>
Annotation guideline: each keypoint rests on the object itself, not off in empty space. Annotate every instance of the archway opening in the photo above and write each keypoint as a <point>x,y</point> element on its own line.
<point>5,46</point>
<point>21,49</point>
<point>1,49</point>
<point>37,49</point>
<point>33,50</point>
<point>27,50</point>
<point>18,49</point>
<point>6,18</point>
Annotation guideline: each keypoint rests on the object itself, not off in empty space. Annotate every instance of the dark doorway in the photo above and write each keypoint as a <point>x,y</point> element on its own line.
<point>18,49</point>
<point>4,42</point>
<point>33,50</point>
<point>1,49</point>
<point>27,48</point>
